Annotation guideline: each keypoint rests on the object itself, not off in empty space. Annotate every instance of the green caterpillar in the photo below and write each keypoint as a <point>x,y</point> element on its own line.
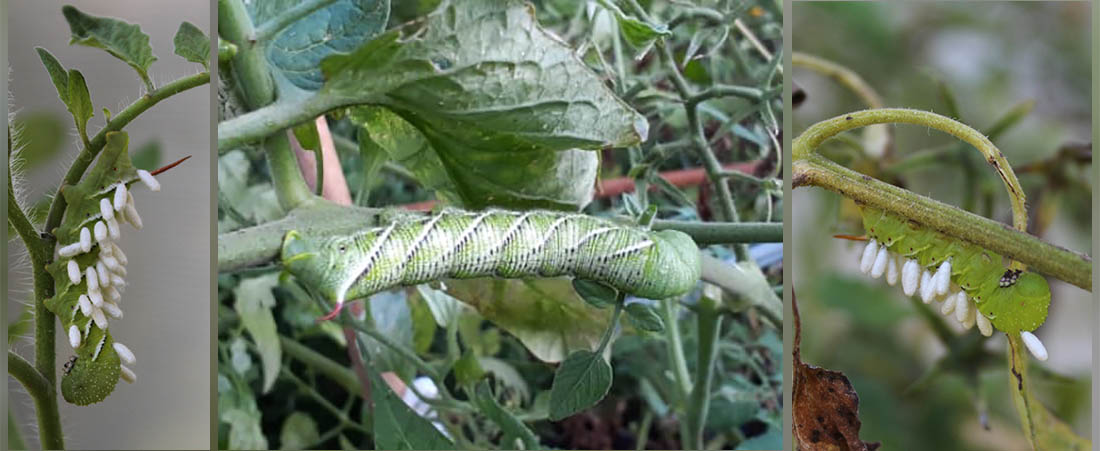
<point>507,244</point>
<point>89,272</point>
<point>972,282</point>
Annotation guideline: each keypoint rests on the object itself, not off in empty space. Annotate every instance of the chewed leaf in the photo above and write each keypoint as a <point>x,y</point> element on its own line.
<point>192,44</point>
<point>123,40</point>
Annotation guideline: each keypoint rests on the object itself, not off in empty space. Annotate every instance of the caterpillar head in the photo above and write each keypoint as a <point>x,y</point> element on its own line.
<point>93,374</point>
<point>677,260</point>
<point>320,263</point>
<point>1023,306</point>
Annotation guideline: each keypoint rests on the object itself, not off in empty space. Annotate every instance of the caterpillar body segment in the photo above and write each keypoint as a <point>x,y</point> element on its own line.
<point>972,282</point>
<point>494,243</point>
<point>88,275</point>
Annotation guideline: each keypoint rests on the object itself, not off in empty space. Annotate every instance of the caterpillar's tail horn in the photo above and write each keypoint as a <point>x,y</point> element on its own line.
<point>852,237</point>
<point>330,315</point>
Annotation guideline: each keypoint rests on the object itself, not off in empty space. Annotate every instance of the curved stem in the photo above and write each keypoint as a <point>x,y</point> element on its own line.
<point>810,139</point>
<point>117,122</point>
<point>1046,258</point>
<point>843,75</point>
<point>41,389</point>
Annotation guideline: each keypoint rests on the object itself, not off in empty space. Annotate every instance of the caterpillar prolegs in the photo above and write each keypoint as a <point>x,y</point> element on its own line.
<point>89,271</point>
<point>506,244</point>
<point>971,282</point>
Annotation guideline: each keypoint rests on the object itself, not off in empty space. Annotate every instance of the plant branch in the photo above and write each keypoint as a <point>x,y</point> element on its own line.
<point>810,139</point>
<point>706,233</point>
<point>249,64</point>
<point>41,389</point>
<point>286,175</point>
<point>24,228</point>
<point>1046,258</point>
<point>709,325</point>
<point>339,374</point>
<point>698,137</point>
<point>676,349</point>
<point>267,30</point>
<point>261,244</point>
<point>843,75</point>
<point>117,122</point>
<point>259,123</point>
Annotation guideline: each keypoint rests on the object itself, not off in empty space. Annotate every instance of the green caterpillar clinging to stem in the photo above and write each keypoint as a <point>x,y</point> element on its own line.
<point>89,272</point>
<point>972,282</point>
<point>508,244</point>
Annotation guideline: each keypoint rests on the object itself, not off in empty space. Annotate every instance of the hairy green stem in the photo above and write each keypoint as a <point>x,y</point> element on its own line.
<point>810,139</point>
<point>41,388</point>
<point>267,30</point>
<point>23,227</point>
<point>117,122</point>
<point>709,324</point>
<point>1046,258</point>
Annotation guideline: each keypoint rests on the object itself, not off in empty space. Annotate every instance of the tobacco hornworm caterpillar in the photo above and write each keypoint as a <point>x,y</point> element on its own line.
<point>89,270</point>
<point>972,282</point>
<point>507,244</point>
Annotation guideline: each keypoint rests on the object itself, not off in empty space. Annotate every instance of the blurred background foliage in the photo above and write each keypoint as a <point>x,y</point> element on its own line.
<point>1020,72</point>
<point>300,407</point>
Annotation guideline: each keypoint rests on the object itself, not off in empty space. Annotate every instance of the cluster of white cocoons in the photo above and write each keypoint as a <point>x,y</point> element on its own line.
<point>934,286</point>
<point>105,279</point>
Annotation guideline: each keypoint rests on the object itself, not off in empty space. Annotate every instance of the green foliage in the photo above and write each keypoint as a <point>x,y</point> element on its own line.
<point>340,27</point>
<point>480,104</point>
<point>644,317</point>
<point>80,103</point>
<point>397,427</point>
<point>192,44</point>
<point>122,40</point>
<point>60,219</point>
<point>581,381</point>
<point>254,304</point>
